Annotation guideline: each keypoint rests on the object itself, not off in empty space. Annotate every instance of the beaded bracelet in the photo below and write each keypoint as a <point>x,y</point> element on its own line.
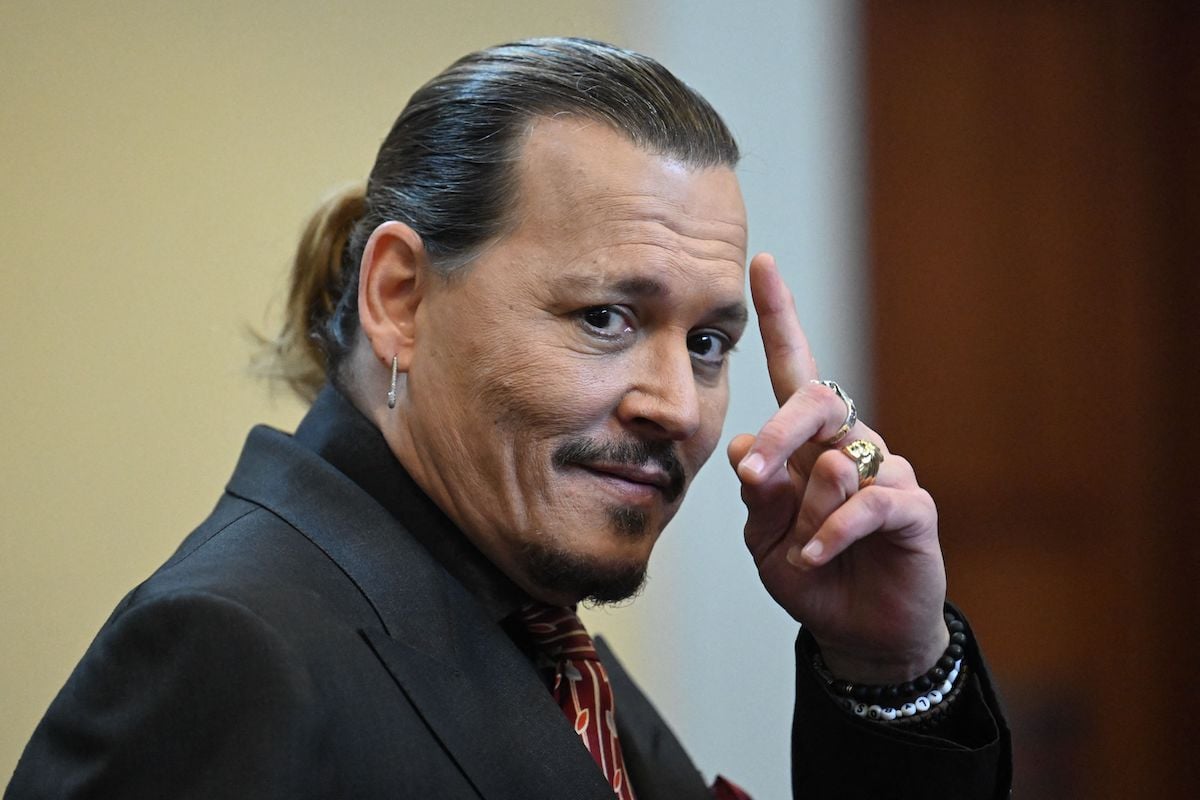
<point>921,700</point>
<point>922,709</point>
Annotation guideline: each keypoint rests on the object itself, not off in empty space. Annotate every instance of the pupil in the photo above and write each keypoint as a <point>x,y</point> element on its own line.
<point>599,317</point>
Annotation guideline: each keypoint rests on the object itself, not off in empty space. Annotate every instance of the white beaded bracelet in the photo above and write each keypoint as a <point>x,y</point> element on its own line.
<point>917,702</point>
<point>920,705</point>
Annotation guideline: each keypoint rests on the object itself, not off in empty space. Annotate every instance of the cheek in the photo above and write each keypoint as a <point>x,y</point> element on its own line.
<point>714,404</point>
<point>537,389</point>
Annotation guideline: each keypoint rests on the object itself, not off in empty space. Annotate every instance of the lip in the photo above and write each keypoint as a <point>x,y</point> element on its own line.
<point>634,474</point>
<point>631,482</point>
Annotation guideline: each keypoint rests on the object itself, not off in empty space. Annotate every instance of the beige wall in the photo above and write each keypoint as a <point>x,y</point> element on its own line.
<point>156,162</point>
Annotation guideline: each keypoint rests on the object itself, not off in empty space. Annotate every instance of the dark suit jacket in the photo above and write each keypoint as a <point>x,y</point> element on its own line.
<point>301,643</point>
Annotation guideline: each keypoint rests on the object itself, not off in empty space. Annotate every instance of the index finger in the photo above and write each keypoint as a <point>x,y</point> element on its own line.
<point>790,362</point>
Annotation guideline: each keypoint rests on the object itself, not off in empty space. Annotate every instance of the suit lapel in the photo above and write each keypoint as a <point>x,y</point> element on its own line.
<point>494,715</point>
<point>479,695</point>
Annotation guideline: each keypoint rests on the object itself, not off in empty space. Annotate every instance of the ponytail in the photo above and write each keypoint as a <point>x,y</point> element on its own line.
<point>299,355</point>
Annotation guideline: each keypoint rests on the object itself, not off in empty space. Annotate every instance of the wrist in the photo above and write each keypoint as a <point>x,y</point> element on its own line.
<point>895,666</point>
<point>919,700</point>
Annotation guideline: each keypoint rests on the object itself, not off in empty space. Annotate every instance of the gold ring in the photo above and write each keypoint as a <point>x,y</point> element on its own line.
<point>867,457</point>
<point>851,412</point>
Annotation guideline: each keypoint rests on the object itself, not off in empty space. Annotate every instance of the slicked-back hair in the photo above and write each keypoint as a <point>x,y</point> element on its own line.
<point>448,169</point>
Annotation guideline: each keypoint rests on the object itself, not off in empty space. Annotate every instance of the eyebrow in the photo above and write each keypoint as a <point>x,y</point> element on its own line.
<point>634,287</point>
<point>732,313</point>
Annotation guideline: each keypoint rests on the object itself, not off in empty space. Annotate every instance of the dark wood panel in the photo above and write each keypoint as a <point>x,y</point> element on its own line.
<point>1033,204</point>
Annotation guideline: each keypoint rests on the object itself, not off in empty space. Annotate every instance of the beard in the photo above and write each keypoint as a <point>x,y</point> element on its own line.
<point>595,581</point>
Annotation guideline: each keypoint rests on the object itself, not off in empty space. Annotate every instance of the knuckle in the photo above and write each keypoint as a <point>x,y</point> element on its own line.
<point>903,469</point>
<point>819,393</point>
<point>876,501</point>
<point>786,349</point>
<point>813,401</point>
<point>834,467</point>
<point>825,402</point>
<point>926,499</point>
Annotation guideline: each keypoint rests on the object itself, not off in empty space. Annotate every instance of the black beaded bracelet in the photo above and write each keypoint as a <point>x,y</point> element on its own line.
<point>922,720</point>
<point>939,680</point>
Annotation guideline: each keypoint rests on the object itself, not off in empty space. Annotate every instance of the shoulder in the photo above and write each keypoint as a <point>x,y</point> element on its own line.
<point>187,689</point>
<point>226,673</point>
<point>241,666</point>
<point>246,568</point>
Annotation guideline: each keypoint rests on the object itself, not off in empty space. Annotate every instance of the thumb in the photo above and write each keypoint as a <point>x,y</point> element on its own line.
<point>738,448</point>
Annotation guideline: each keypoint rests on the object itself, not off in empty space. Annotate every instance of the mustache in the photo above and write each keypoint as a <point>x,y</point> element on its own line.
<point>630,452</point>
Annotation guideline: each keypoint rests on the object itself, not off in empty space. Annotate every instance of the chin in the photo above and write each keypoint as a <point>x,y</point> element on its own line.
<point>565,574</point>
<point>588,582</point>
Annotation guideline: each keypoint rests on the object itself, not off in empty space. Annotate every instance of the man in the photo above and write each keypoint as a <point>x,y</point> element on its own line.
<point>525,322</point>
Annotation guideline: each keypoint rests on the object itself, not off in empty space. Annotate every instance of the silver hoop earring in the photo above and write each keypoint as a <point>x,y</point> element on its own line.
<point>392,388</point>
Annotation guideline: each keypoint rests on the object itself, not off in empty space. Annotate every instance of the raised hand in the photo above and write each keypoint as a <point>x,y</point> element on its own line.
<point>861,568</point>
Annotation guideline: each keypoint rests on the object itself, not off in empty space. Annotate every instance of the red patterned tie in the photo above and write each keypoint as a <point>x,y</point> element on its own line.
<point>581,687</point>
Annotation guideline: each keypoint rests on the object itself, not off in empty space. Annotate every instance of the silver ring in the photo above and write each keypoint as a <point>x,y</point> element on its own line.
<point>851,412</point>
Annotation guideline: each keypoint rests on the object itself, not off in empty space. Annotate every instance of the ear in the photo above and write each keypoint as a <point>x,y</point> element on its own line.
<point>391,282</point>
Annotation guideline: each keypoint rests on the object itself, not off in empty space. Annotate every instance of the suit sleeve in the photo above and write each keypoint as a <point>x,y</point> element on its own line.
<point>185,695</point>
<point>838,755</point>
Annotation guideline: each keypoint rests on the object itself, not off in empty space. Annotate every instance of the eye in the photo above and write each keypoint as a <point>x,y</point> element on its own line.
<point>710,347</point>
<point>608,321</point>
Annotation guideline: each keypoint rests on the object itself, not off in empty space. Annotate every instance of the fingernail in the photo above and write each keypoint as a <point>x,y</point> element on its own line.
<point>752,463</point>
<point>812,551</point>
<point>804,557</point>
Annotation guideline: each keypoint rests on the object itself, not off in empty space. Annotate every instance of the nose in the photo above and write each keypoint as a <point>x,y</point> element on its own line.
<point>662,400</point>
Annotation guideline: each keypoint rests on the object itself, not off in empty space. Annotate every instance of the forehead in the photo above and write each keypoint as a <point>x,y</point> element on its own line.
<point>590,198</point>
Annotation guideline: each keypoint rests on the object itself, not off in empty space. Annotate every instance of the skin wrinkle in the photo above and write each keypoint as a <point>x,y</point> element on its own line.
<point>672,217</point>
<point>669,252</point>
<point>505,371</point>
<point>700,243</point>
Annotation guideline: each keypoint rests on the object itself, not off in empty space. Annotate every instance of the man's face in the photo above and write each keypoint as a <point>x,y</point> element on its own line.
<point>565,389</point>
